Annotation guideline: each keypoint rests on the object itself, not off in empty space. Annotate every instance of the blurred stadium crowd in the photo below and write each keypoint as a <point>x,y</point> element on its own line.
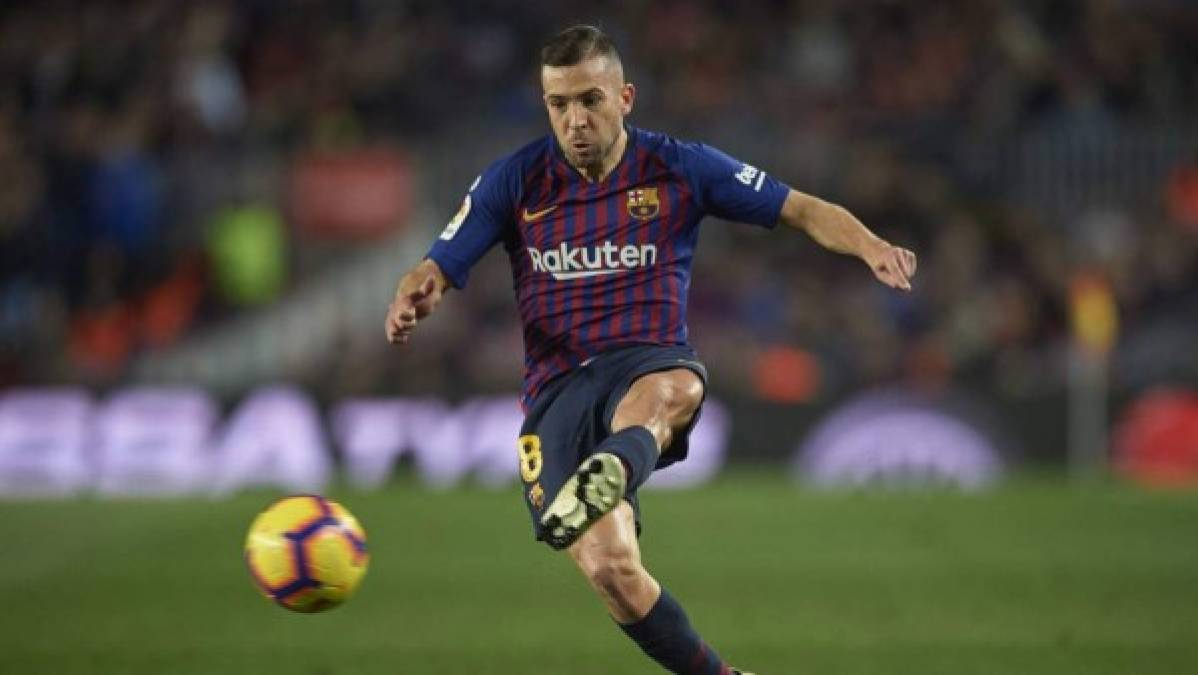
<point>146,150</point>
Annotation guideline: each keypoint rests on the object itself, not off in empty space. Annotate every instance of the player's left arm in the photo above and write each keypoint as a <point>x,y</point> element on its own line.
<point>730,189</point>
<point>834,228</point>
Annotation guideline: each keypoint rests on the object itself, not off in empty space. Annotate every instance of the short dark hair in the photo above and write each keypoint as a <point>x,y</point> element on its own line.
<point>577,44</point>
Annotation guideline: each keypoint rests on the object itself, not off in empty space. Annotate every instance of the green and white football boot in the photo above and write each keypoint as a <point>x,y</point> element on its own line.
<point>591,493</point>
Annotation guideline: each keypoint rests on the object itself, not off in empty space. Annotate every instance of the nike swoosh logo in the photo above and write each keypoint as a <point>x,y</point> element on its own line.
<point>530,216</point>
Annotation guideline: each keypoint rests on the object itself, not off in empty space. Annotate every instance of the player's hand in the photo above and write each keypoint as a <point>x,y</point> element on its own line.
<point>410,306</point>
<point>892,265</point>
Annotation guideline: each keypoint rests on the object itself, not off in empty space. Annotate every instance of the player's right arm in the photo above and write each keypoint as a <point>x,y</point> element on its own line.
<point>482,220</point>
<point>417,295</point>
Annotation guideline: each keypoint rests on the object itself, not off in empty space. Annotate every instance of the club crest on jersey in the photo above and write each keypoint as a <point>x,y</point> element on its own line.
<point>643,203</point>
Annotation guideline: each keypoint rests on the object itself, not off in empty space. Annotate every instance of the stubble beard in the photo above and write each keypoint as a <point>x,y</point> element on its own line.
<point>592,167</point>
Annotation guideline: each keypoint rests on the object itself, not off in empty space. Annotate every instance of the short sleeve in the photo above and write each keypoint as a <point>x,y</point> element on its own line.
<point>482,219</point>
<point>730,189</point>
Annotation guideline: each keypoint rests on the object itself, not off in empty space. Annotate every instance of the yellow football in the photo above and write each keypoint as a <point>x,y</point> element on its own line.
<point>306,553</point>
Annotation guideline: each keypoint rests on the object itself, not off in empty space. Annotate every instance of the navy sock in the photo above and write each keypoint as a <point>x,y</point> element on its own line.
<point>637,448</point>
<point>666,635</point>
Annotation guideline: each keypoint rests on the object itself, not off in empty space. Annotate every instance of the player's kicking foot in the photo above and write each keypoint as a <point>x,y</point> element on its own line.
<point>593,491</point>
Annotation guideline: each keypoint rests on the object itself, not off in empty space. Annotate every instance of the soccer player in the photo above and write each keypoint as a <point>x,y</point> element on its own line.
<point>599,220</point>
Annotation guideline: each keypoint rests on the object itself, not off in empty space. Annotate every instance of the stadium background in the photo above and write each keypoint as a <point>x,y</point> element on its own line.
<point>218,197</point>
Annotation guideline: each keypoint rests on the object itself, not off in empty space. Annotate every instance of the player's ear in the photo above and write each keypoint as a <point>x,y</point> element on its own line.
<point>627,96</point>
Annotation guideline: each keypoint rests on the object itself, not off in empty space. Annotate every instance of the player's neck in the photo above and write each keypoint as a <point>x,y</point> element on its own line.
<point>598,172</point>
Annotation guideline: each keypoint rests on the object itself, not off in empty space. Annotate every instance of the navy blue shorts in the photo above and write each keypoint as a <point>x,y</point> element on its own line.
<point>573,414</point>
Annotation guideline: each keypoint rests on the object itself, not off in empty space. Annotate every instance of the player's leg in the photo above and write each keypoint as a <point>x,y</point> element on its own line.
<point>609,557</point>
<point>657,406</point>
<point>608,553</point>
<point>663,403</point>
<point>660,405</point>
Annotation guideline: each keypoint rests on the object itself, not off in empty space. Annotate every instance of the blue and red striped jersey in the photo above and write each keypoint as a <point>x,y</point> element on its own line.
<point>596,265</point>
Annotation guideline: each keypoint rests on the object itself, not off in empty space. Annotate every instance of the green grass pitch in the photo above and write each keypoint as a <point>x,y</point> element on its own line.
<point>1036,578</point>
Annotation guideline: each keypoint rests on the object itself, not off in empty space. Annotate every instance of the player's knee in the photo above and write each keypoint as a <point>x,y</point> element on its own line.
<point>609,568</point>
<point>663,402</point>
<point>682,391</point>
<point>619,578</point>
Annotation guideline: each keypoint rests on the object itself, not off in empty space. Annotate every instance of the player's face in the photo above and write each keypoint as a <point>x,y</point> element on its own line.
<point>587,103</point>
